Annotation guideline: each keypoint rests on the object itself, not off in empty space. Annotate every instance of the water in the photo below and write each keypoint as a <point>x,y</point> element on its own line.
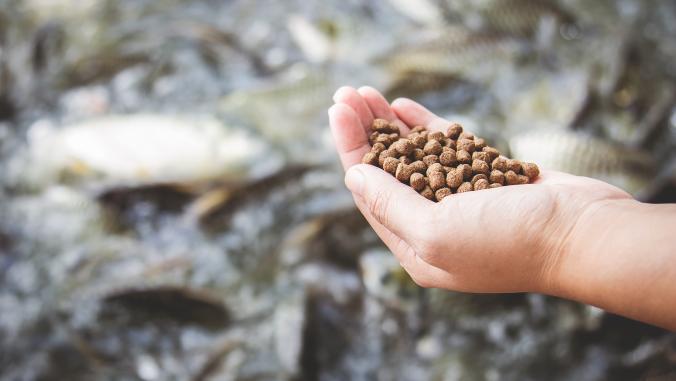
<point>173,207</point>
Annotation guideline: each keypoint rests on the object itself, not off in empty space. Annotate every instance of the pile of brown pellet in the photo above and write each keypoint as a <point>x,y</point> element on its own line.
<point>437,164</point>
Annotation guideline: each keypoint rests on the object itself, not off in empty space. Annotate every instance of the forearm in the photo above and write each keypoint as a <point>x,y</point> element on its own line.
<point>622,258</point>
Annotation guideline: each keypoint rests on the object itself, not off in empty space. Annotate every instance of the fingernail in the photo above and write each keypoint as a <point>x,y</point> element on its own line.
<point>354,180</point>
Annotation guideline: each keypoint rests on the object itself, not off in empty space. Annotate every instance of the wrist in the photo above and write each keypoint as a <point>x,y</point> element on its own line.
<point>574,241</point>
<point>581,248</point>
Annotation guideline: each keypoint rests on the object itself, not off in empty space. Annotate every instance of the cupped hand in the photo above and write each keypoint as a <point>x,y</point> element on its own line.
<point>507,239</point>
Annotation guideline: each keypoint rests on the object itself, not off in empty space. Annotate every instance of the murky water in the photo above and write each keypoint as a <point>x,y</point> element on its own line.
<point>173,208</point>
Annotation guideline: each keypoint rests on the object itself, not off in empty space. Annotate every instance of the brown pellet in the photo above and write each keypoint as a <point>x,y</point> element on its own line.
<point>454,178</point>
<point>404,159</point>
<point>432,147</point>
<point>403,172</point>
<point>463,157</point>
<point>436,135</point>
<point>466,171</point>
<point>511,178</point>
<point>531,170</point>
<point>385,154</point>
<point>441,193</point>
<point>419,141</point>
<point>481,184</point>
<point>419,166</point>
<point>430,159</point>
<point>478,177</point>
<point>428,193</point>
<point>492,153</point>
<point>464,187</point>
<point>448,158</point>
<point>480,155</point>
<point>370,158</point>
<point>436,167</point>
<point>437,180</point>
<point>479,143</point>
<point>466,145</point>
<point>480,166</point>
<point>499,163</point>
<point>403,146</point>
<point>417,181</point>
<point>495,185</point>
<point>497,176</point>
<point>418,154</point>
<point>377,148</point>
<point>514,165</point>
<point>390,165</point>
<point>381,125</point>
<point>373,136</point>
<point>418,129</point>
<point>454,130</point>
<point>384,139</point>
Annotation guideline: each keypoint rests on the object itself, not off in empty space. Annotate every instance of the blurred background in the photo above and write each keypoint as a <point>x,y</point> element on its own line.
<point>173,209</point>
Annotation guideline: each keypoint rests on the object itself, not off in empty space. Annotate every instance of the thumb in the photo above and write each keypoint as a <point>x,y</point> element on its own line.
<point>394,205</point>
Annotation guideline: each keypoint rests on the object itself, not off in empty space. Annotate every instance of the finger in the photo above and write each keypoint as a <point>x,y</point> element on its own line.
<point>422,273</point>
<point>397,246</point>
<point>414,114</point>
<point>348,134</point>
<point>394,205</point>
<point>349,96</point>
<point>380,108</point>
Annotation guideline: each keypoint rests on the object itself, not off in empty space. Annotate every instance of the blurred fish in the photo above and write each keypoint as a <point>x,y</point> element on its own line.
<point>327,238</point>
<point>285,110</point>
<point>180,304</point>
<point>524,16</point>
<point>544,98</point>
<point>580,154</point>
<point>516,17</point>
<point>137,149</point>
<point>213,207</point>
<point>455,51</point>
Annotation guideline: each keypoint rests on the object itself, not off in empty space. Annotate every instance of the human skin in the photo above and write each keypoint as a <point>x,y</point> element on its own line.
<point>563,235</point>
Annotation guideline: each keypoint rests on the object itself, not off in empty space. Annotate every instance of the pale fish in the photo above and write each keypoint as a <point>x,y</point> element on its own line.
<point>286,109</point>
<point>457,51</point>
<point>580,154</point>
<point>542,99</point>
<point>137,149</point>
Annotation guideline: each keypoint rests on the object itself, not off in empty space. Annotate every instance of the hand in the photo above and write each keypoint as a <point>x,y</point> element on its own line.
<point>507,239</point>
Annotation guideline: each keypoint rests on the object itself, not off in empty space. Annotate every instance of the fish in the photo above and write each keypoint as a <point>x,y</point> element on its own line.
<point>137,149</point>
<point>523,17</point>
<point>584,155</point>
<point>284,109</point>
<point>456,51</point>
<point>180,304</point>
<point>214,207</point>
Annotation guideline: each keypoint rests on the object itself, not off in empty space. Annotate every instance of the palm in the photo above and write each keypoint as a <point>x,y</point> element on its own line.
<point>509,219</point>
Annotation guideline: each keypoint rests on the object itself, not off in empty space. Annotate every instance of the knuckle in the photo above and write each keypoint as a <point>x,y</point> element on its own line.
<point>379,206</point>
